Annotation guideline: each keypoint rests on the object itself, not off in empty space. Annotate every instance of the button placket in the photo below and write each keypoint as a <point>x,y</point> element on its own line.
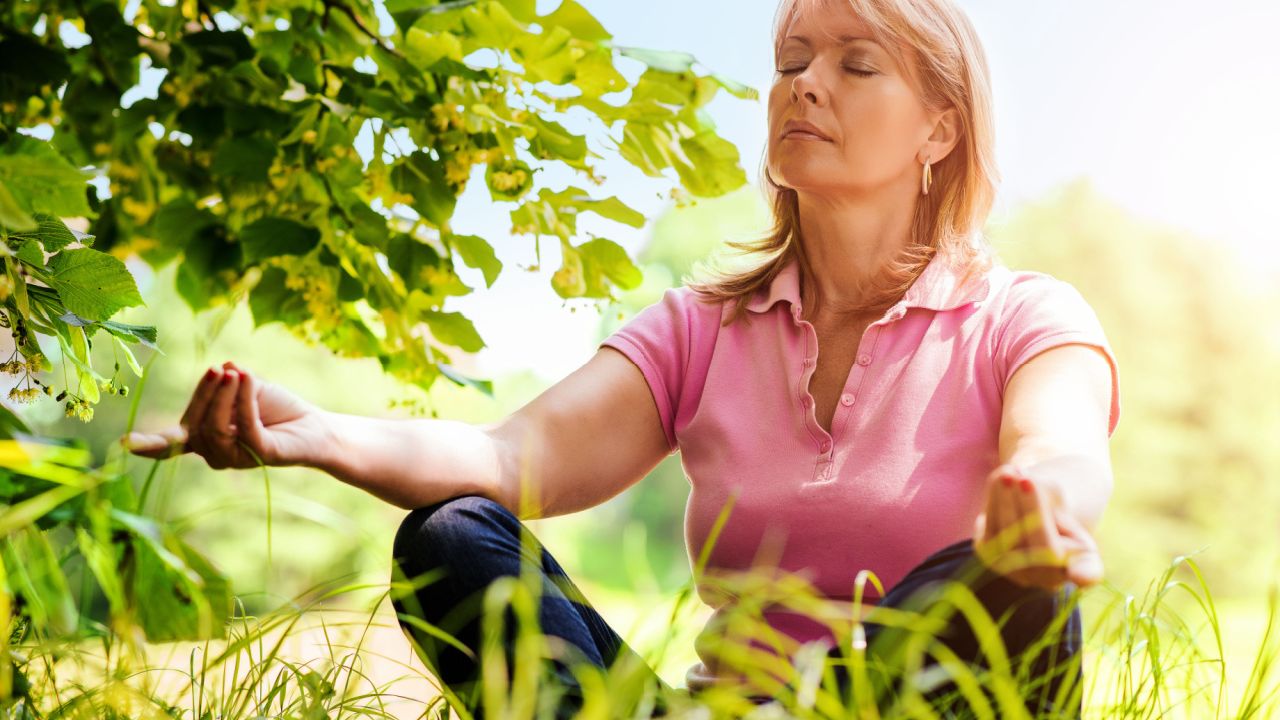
<point>857,375</point>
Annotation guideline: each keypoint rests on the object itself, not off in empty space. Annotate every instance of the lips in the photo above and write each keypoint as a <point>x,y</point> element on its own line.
<point>801,130</point>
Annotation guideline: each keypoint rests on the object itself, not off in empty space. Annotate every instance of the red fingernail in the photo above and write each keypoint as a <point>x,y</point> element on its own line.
<point>1025,484</point>
<point>209,373</point>
<point>1007,480</point>
<point>226,379</point>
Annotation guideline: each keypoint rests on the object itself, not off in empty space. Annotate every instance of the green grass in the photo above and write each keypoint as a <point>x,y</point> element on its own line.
<point>1170,652</point>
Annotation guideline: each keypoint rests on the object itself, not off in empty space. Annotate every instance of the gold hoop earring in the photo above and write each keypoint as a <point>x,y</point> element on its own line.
<point>926,179</point>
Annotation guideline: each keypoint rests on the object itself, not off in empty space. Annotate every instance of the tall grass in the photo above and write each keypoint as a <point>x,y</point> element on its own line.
<point>1161,654</point>
<point>1157,655</point>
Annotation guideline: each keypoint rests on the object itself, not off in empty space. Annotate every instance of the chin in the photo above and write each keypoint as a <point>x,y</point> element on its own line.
<point>805,180</point>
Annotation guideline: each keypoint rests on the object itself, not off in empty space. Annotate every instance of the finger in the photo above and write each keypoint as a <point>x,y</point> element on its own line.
<point>163,444</point>
<point>1041,548</point>
<point>200,398</point>
<point>194,417</point>
<point>1006,512</point>
<point>217,425</point>
<point>991,513</point>
<point>1085,569</point>
<point>1069,526</point>
<point>248,421</point>
<point>1084,560</point>
<point>1026,500</point>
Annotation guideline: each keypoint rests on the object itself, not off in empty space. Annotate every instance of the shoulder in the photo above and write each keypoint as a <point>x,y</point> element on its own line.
<point>1017,293</point>
<point>687,305</point>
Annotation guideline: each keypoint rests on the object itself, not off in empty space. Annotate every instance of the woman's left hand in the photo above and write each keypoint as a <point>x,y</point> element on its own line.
<point>1010,538</point>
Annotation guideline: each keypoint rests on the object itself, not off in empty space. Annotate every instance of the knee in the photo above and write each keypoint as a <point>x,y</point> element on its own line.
<point>428,536</point>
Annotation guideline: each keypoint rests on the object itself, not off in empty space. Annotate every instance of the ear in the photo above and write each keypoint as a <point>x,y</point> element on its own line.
<point>945,135</point>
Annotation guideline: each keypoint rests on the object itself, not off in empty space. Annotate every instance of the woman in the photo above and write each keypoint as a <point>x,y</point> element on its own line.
<point>877,394</point>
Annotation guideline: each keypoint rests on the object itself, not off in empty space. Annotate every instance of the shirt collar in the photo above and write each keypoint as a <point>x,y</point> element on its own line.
<point>937,288</point>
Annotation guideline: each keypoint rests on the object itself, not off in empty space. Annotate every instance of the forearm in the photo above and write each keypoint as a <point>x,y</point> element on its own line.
<point>1080,481</point>
<point>411,462</point>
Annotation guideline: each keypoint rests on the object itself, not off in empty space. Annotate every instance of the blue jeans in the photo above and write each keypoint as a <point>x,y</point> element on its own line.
<point>462,545</point>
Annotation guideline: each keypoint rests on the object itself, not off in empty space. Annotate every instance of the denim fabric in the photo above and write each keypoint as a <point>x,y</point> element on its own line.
<point>464,544</point>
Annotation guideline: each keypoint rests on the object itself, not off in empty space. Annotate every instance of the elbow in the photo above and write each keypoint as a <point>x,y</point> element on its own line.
<point>512,453</point>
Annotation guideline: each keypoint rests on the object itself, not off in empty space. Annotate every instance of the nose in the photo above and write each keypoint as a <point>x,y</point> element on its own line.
<point>806,86</point>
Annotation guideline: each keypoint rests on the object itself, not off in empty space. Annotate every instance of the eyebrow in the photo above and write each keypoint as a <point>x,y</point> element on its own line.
<point>844,39</point>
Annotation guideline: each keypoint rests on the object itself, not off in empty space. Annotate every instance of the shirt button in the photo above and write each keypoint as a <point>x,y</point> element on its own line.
<point>805,401</point>
<point>808,362</point>
<point>864,359</point>
<point>825,446</point>
<point>846,399</point>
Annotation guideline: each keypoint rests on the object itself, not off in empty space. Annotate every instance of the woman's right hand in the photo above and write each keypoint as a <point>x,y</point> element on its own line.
<point>233,417</point>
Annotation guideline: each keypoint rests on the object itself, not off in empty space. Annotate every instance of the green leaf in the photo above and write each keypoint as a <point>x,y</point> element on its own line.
<point>425,49</point>
<point>30,253</point>
<point>573,200</point>
<point>454,329</point>
<point>549,56</point>
<point>595,74</point>
<point>610,259</point>
<point>11,213</point>
<point>272,301</point>
<point>489,25</point>
<point>573,17</point>
<point>50,232</point>
<point>144,334</point>
<point>38,578</point>
<point>274,236</point>
<point>92,284</point>
<point>41,180</point>
<point>244,160</point>
<point>648,147</point>
<point>672,62</point>
<point>177,593</point>
<point>525,11</point>
<point>553,140</point>
<point>714,170</point>
<point>422,177</point>
<point>735,88</point>
<point>476,252</point>
<point>11,423</point>
<point>128,355</point>
<point>570,281</point>
<point>179,221</point>
<point>484,386</point>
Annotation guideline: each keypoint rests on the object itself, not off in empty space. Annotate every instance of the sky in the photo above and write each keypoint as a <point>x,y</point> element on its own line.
<point>1170,107</point>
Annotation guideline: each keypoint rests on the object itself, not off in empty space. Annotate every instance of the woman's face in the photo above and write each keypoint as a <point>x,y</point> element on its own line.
<point>830,73</point>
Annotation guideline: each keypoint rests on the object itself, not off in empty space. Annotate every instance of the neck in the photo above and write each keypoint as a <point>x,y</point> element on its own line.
<point>848,243</point>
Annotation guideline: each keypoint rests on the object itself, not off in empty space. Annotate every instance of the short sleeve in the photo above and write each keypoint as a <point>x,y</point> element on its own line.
<point>659,340</point>
<point>1042,312</point>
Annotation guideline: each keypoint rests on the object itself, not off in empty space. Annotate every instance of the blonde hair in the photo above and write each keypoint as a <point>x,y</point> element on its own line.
<point>951,71</point>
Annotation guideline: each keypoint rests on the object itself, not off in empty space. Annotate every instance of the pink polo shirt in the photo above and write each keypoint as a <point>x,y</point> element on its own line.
<point>913,438</point>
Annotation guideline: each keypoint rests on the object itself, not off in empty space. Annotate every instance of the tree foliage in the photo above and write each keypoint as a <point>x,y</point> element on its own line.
<point>245,168</point>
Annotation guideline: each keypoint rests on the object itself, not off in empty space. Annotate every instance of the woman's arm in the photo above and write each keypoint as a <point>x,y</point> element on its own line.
<point>1054,419</point>
<point>579,443</point>
<point>1044,500</point>
<point>582,441</point>
<point>410,462</point>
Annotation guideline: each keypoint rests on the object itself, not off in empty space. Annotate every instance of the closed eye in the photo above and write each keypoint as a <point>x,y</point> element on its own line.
<point>855,71</point>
